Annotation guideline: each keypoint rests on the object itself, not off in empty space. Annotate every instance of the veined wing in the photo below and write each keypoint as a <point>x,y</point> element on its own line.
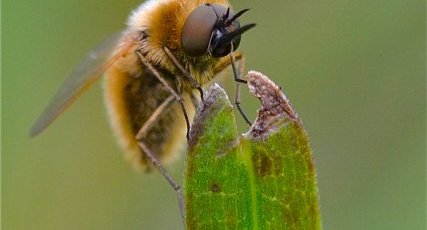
<point>82,78</point>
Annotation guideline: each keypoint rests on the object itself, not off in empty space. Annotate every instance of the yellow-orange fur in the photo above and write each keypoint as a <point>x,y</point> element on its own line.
<point>132,94</point>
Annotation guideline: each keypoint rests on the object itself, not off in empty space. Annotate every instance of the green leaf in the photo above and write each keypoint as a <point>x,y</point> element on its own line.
<point>264,179</point>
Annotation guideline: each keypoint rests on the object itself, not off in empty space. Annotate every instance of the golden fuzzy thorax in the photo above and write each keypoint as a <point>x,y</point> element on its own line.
<point>131,91</point>
<point>163,24</point>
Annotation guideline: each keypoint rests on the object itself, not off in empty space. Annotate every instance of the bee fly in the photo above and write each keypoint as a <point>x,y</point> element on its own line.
<point>169,48</point>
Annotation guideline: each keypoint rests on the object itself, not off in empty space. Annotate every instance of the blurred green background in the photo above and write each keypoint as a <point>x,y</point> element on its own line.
<point>354,71</point>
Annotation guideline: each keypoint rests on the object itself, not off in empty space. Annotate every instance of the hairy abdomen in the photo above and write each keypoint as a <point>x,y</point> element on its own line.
<point>131,97</point>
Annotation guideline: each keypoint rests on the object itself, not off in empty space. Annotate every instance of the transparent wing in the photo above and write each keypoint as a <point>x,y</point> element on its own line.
<point>82,78</point>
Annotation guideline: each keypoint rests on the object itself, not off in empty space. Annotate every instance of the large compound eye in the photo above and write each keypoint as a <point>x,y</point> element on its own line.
<point>197,31</point>
<point>213,29</point>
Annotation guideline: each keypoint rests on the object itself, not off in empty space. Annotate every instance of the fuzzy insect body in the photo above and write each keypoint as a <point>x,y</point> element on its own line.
<point>158,32</point>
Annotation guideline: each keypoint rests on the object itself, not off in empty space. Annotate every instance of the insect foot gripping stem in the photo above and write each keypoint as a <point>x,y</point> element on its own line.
<point>263,179</point>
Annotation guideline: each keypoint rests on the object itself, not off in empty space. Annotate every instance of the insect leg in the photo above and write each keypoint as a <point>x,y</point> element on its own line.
<point>185,72</point>
<point>157,163</point>
<point>159,76</point>
<point>224,63</point>
<point>150,155</point>
<point>237,73</point>
<point>153,158</point>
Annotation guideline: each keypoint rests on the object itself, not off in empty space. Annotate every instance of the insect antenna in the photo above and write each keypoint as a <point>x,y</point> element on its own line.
<point>226,14</point>
<point>228,37</point>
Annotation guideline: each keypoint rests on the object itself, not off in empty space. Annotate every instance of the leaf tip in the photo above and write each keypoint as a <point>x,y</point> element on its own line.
<point>275,106</point>
<point>215,99</point>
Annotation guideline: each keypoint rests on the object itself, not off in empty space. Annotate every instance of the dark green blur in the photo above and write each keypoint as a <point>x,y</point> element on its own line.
<point>354,71</point>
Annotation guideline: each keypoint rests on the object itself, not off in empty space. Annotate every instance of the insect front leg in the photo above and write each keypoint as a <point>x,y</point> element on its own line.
<point>237,73</point>
<point>224,63</point>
